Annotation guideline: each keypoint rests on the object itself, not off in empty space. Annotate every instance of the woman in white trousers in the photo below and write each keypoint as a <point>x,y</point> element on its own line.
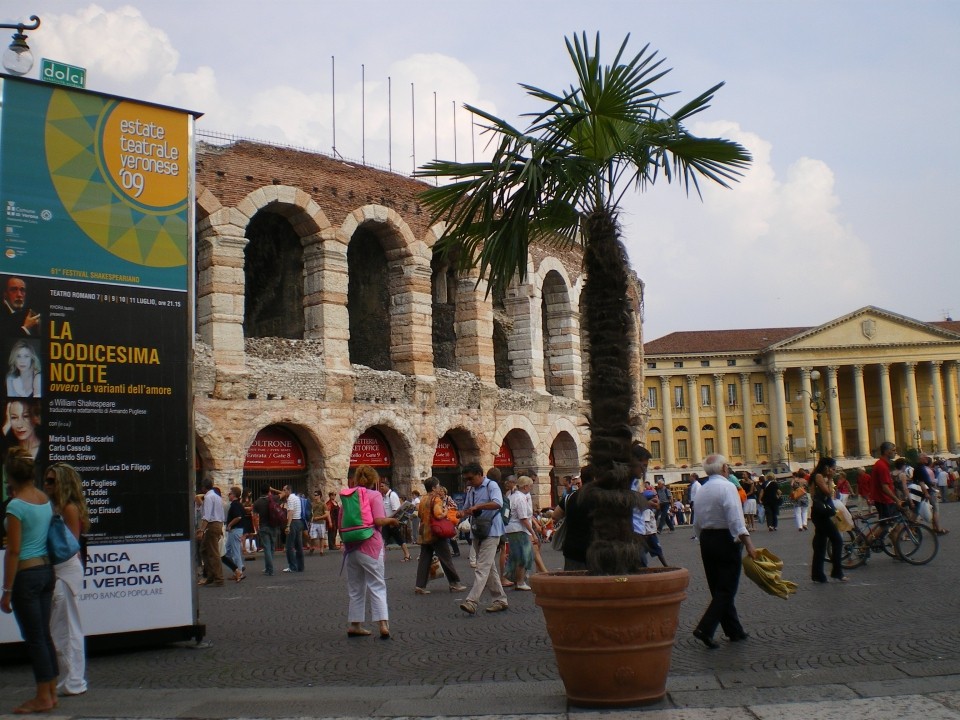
<point>62,485</point>
<point>364,563</point>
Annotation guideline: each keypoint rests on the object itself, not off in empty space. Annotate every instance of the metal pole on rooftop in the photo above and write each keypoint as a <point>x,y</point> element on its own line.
<point>363,114</point>
<point>390,123</point>
<point>333,98</point>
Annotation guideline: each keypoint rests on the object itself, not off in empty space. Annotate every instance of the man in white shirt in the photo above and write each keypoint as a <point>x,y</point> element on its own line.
<point>392,533</point>
<point>209,534</point>
<point>295,527</point>
<point>720,526</point>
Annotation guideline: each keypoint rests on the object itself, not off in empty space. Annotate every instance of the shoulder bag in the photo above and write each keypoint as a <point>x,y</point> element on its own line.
<point>61,544</point>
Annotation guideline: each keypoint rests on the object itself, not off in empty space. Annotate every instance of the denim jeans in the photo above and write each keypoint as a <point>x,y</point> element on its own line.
<point>32,599</point>
<point>268,541</point>
<point>235,546</point>
<point>295,546</point>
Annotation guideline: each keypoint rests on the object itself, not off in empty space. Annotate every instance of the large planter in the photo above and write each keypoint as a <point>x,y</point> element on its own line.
<point>612,635</point>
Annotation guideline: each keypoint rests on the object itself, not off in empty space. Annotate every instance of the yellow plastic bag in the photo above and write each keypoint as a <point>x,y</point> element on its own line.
<point>765,572</point>
<point>843,519</point>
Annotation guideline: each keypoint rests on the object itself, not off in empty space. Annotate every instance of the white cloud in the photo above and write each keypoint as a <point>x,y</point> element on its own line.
<point>119,48</point>
<point>779,244</point>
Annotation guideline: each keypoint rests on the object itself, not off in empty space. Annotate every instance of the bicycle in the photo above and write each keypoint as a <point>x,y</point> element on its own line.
<point>899,536</point>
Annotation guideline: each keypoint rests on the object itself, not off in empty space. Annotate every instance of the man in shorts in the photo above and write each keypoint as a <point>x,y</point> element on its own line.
<point>318,524</point>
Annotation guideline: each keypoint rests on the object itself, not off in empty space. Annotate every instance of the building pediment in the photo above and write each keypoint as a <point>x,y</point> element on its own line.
<point>869,326</point>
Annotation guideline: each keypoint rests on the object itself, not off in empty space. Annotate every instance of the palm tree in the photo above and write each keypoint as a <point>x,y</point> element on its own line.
<point>561,182</point>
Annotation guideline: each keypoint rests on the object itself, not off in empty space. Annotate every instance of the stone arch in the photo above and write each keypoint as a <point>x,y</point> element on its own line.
<point>560,330</point>
<point>300,425</point>
<point>468,437</point>
<point>402,438</point>
<point>565,452</point>
<point>518,429</point>
<point>388,286</point>
<point>222,244</point>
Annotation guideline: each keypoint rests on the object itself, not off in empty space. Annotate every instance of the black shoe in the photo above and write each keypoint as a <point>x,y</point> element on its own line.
<point>820,580</point>
<point>738,638</point>
<point>708,641</point>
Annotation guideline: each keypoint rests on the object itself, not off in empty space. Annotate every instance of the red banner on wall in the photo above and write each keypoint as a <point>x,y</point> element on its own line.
<point>504,458</point>
<point>274,449</point>
<point>446,454</point>
<point>371,449</point>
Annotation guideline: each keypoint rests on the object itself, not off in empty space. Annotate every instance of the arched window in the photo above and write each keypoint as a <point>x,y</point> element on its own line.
<point>368,300</point>
<point>760,425</point>
<point>502,325</point>
<point>681,428</point>
<point>708,427</point>
<point>443,286</point>
<point>735,426</point>
<point>273,278</point>
<point>556,325</point>
<point>653,431</point>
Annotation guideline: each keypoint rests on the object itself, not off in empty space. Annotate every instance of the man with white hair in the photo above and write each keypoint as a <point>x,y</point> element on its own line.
<point>720,526</point>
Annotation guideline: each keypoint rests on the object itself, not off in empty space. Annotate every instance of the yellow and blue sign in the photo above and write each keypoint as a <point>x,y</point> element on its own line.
<point>97,190</point>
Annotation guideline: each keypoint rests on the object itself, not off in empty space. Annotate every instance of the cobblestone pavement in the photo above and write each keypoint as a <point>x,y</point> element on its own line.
<point>890,623</point>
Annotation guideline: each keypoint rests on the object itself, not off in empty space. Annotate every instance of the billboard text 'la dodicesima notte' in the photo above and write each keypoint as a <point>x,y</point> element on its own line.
<point>97,194</point>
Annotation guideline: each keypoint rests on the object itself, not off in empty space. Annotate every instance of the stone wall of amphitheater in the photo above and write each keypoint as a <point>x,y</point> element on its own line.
<point>309,386</point>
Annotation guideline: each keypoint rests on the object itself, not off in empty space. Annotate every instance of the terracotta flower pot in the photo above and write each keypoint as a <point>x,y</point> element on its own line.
<point>612,635</point>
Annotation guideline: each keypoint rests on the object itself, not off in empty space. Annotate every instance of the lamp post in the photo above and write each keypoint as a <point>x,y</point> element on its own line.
<point>818,405</point>
<point>17,58</point>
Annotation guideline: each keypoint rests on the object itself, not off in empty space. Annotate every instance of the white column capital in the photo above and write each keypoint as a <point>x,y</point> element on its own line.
<point>745,377</point>
<point>936,364</point>
<point>857,370</point>
<point>910,365</point>
<point>692,380</point>
<point>664,381</point>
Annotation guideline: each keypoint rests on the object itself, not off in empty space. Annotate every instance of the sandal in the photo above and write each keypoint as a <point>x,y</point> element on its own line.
<point>358,632</point>
<point>406,559</point>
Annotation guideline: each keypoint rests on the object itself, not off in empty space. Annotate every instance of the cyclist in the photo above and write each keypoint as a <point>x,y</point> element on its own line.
<point>884,496</point>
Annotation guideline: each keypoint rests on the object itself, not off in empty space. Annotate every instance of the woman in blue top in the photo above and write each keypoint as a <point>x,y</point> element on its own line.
<point>28,579</point>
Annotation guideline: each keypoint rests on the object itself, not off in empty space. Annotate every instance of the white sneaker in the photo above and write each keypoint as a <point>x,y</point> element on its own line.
<point>522,586</point>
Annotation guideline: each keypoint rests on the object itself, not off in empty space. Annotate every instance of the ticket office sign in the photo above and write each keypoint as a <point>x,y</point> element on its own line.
<point>96,193</point>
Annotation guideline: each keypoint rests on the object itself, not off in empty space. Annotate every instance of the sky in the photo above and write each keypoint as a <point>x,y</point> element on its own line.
<point>846,106</point>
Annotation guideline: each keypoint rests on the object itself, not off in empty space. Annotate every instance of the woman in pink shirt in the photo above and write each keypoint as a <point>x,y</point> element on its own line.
<point>364,563</point>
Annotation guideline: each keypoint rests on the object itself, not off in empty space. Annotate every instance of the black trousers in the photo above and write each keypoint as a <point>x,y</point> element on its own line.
<point>721,564</point>
<point>772,513</point>
<point>825,531</point>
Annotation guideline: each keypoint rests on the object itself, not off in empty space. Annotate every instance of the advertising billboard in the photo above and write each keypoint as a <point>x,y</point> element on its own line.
<point>96,194</point>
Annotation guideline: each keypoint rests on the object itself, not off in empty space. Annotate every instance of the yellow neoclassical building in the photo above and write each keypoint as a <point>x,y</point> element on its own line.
<point>765,397</point>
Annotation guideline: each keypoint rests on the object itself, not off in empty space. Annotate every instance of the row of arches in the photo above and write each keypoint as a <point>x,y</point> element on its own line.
<point>289,453</point>
<point>377,296</point>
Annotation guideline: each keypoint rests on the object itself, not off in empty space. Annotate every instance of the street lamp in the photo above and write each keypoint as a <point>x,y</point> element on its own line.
<point>17,59</point>
<point>818,405</point>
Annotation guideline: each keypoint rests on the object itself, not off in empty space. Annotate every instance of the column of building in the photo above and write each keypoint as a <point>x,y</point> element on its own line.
<point>939,420</point>
<point>779,406</point>
<point>913,407</point>
<point>886,404</point>
<point>722,430</point>
<point>833,399</point>
<point>749,452</point>
<point>809,429</point>
<point>669,456</point>
<point>863,435</point>
<point>953,425</point>
<point>693,396</point>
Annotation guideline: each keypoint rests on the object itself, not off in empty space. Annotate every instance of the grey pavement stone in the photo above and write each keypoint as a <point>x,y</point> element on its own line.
<point>723,713</point>
<point>678,683</point>
<point>276,647</point>
<point>907,686</point>
<point>906,706</point>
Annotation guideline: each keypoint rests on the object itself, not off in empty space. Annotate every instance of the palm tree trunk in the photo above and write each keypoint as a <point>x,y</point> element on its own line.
<point>614,548</point>
<point>607,318</point>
